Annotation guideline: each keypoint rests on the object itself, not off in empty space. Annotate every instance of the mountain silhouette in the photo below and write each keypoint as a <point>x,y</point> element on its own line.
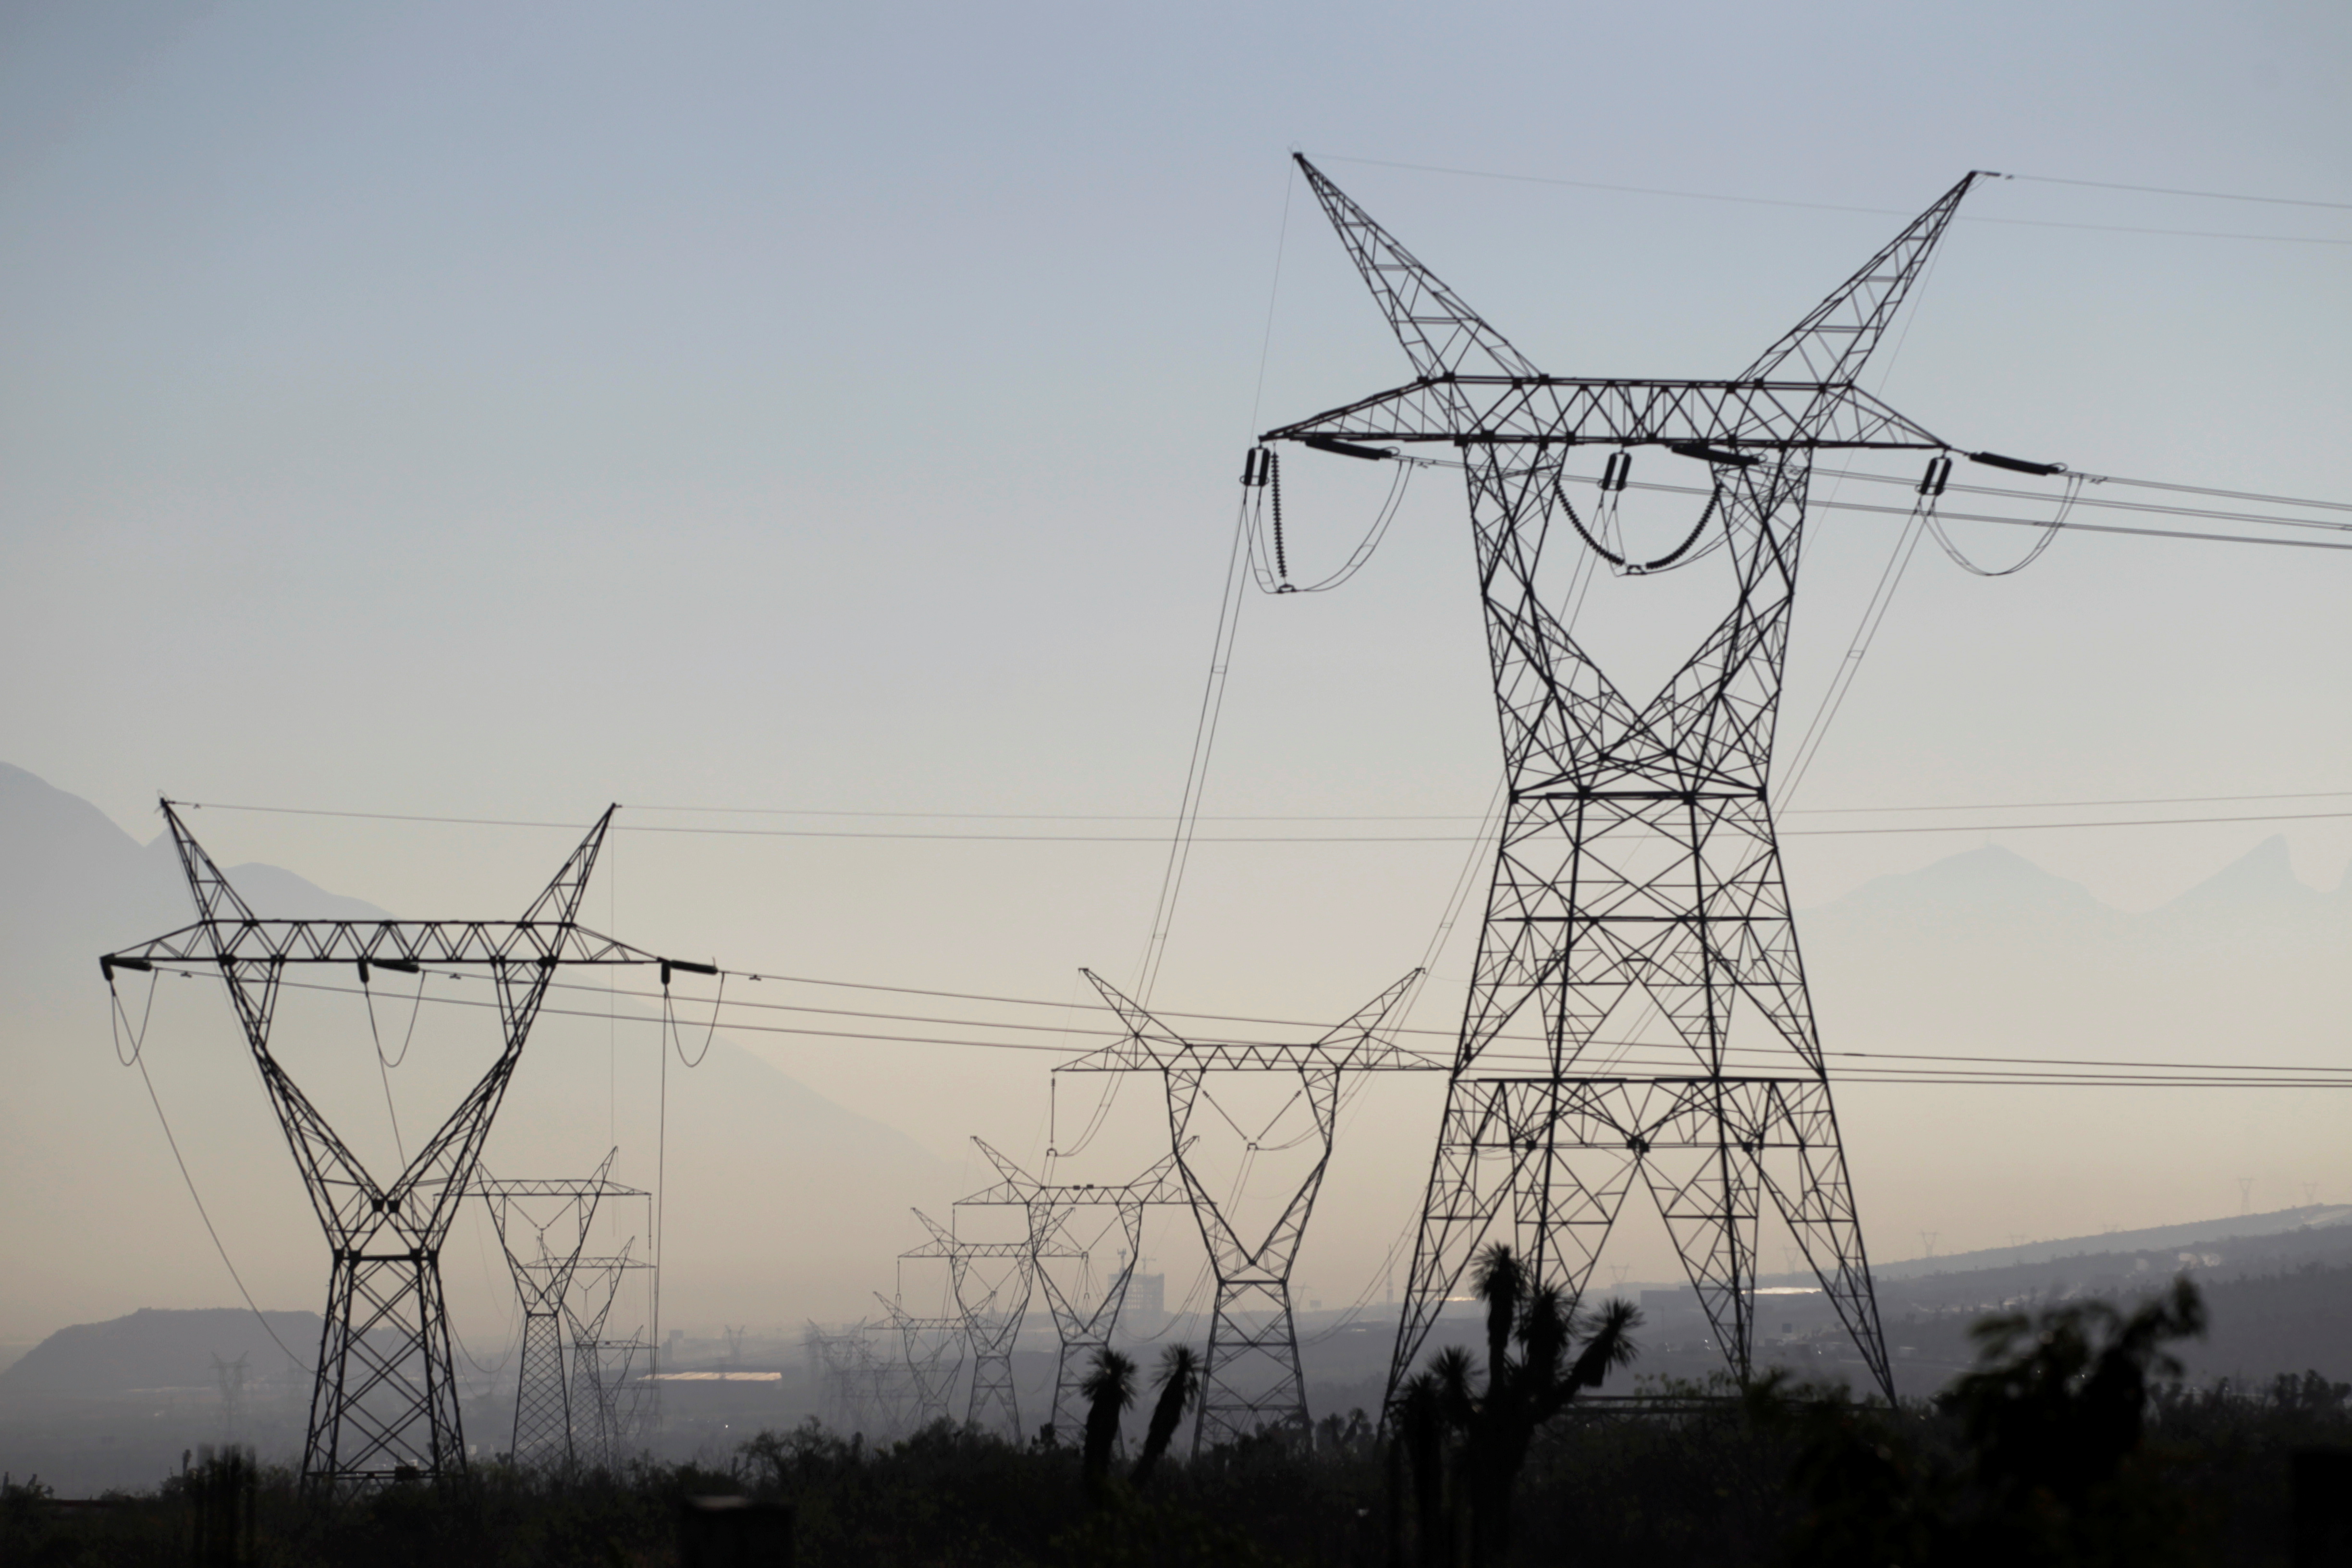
<point>773,1192</point>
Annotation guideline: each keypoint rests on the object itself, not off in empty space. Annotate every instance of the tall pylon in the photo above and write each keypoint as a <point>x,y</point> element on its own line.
<point>385,1404</point>
<point>1084,1319</point>
<point>1249,1378</point>
<point>525,1214</point>
<point>1638,875</point>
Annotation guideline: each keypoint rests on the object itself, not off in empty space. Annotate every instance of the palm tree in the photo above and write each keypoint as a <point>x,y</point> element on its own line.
<point>1522,1392</point>
<point>1109,1389</point>
<point>1179,1379</point>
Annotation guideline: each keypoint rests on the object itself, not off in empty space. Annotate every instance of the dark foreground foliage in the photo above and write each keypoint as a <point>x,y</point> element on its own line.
<point>2068,1444</point>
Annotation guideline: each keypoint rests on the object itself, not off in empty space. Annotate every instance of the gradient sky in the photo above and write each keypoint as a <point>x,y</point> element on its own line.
<point>498,411</point>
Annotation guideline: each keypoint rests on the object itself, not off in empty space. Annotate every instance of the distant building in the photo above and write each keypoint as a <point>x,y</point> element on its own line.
<point>1145,1311</point>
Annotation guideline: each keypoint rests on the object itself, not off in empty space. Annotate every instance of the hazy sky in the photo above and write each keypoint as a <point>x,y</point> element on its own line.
<point>498,411</point>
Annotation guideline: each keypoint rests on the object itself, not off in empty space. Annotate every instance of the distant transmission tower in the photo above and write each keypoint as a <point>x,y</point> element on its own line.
<point>1251,1379</point>
<point>1638,874</point>
<point>384,1407</point>
<point>523,1212</point>
<point>992,1302</point>
<point>611,1395</point>
<point>859,1390</point>
<point>230,1376</point>
<point>1085,1317</point>
<point>934,1351</point>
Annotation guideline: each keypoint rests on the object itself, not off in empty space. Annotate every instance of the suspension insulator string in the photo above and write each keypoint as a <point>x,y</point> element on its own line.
<point>1281,560</point>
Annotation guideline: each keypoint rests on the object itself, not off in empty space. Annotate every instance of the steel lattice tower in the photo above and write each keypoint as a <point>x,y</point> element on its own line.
<point>991,1312</point>
<point>1250,1377</point>
<point>858,1387</point>
<point>385,1404</point>
<point>606,1405</point>
<point>1084,1329</point>
<point>1637,862</point>
<point>927,1343</point>
<point>544,1417</point>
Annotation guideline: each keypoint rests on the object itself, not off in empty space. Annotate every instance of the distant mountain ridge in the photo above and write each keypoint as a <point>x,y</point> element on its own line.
<point>101,1219</point>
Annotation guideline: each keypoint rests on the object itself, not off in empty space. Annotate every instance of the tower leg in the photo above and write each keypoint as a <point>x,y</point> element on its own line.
<point>1250,1379</point>
<point>542,1424</point>
<point>1069,1371</point>
<point>993,1401</point>
<point>1803,1167</point>
<point>384,1405</point>
<point>1546,1163</point>
<point>595,1443</point>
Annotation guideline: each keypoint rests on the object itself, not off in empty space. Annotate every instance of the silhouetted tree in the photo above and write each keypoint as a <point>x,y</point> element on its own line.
<point>1109,1389</point>
<point>2052,1470</point>
<point>1179,1380</point>
<point>1496,1422</point>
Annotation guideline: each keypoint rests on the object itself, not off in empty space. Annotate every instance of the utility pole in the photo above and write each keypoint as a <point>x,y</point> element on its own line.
<point>1638,868</point>
<point>385,1404</point>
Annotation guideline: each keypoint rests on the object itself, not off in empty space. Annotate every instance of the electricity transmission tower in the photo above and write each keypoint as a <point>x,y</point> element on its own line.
<point>608,1406</point>
<point>858,1390</point>
<point>544,1417</point>
<point>1638,873</point>
<point>992,1302</point>
<point>934,1352</point>
<point>1084,1318</point>
<point>385,1404</point>
<point>1250,1377</point>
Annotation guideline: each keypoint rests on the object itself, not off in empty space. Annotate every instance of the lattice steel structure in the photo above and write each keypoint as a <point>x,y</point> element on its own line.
<point>1083,1320</point>
<point>608,1404</point>
<point>993,1304</point>
<point>934,1351</point>
<point>860,1390</point>
<point>1249,1378</point>
<point>545,1421</point>
<point>1638,864</point>
<point>384,1405</point>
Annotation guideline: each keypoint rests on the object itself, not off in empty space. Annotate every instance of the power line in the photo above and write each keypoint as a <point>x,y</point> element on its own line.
<point>2170,191</point>
<point>1999,1068</point>
<point>2057,804</point>
<point>1876,211</point>
<point>1272,838</point>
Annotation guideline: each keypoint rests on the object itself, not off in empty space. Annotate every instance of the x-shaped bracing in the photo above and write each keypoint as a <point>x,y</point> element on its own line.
<point>1637,875</point>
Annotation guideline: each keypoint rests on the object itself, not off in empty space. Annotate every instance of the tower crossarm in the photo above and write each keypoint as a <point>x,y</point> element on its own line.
<point>399,945</point>
<point>1160,1185</point>
<point>1354,1045</point>
<point>1757,416</point>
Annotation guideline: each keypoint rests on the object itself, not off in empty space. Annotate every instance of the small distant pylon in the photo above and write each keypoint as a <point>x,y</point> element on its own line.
<point>230,1376</point>
<point>1250,1380</point>
<point>934,1351</point>
<point>544,1274</point>
<point>992,1302</point>
<point>608,1406</point>
<point>859,1390</point>
<point>1083,1320</point>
